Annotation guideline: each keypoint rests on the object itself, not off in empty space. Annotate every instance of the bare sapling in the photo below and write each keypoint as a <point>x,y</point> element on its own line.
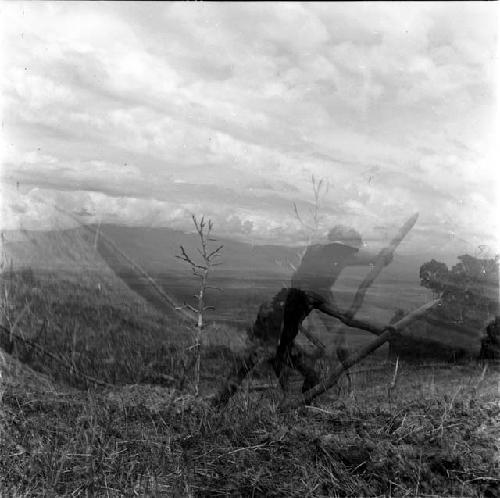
<point>201,268</point>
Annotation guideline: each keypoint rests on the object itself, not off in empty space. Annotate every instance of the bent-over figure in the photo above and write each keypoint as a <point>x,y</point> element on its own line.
<point>322,265</point>
<point>273,333</point>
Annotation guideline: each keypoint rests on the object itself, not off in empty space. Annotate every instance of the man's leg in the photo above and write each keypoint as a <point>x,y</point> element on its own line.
<point>296,309</point>
<point>301,363</point>
<point>254,355</point>
<point>263,338</point>
<point>297,306</point>
<point>296,359</point>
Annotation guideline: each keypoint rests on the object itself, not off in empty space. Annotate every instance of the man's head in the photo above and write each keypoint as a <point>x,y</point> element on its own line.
<point>346,236</point>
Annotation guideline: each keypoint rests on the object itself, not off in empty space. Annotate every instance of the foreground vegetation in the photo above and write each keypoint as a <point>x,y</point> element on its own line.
<point>430,440</point>
<point>435,431</point>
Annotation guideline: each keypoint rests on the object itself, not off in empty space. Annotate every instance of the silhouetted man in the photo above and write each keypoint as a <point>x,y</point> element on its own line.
<point>278,322</point>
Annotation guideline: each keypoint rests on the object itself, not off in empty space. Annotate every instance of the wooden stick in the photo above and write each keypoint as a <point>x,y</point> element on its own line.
<point>309,335</point>
<point>351,360</point>
<point>380,265</point>
<point>369,279</point>
<point>332,310</point>
<point>259,354</point>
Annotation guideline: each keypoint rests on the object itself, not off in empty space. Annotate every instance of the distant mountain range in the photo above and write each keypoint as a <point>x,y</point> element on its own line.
<point>132,252</point>
<point>248,274</point>
<point>154,249</point>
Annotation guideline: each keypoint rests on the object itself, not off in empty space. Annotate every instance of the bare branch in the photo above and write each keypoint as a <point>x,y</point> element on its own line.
<point>187,306</point>
<point>195,266</point>
<point>215,252</point>
<point>184,255</point>
<point>297,213</point>
<point>201,271</point>
<point>195,221</point>
<point>302,222</point>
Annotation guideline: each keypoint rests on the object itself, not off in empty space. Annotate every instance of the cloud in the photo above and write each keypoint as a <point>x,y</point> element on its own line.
<point>146,112</point>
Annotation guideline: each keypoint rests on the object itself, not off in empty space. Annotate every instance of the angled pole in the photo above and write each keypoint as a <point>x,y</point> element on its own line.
<point>368,280</point>
<point>384,334</point>
<point>380,265</point>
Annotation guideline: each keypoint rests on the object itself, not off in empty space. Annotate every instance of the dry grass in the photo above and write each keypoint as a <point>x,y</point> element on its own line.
<point>437,434</point>
<point>102,335</point>
<point>158,441</point>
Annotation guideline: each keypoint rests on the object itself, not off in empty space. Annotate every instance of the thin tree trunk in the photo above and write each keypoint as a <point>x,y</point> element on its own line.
<point>198,362</point>
<point>201,309</point>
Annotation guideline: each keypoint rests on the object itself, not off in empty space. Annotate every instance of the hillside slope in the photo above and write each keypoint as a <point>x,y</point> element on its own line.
<point>70,255</point>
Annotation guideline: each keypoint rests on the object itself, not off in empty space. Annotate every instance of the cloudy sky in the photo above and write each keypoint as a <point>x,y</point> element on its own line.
<point>142,114</point>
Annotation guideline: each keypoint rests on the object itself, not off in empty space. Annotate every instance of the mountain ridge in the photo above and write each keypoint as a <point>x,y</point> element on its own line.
<point>155,248</point>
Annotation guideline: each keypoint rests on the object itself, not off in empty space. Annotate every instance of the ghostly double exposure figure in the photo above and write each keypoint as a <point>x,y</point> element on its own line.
<point>322,265</point>
<point>272,335</point>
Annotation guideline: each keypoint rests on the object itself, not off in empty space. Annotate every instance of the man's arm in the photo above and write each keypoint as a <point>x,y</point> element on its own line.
<point>363,257</point>
<point>366,257</point>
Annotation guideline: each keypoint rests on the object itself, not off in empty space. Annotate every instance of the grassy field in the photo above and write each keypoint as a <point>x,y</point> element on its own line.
<point>143,432</point>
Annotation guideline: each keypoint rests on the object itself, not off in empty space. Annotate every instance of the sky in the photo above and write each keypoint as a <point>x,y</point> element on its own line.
<point>146,113</point>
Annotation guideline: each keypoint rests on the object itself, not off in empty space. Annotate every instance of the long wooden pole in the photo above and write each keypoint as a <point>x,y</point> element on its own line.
<point>384,335</point>
<point>368,280</point>
<point>380,265</point>
<point>312,338</point>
